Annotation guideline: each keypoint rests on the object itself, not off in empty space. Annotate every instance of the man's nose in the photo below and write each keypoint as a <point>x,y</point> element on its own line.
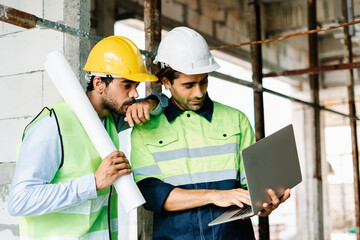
<point>197,92</point>
<point>133,92</point>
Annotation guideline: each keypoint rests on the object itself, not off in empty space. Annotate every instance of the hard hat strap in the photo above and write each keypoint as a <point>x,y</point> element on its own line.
<point>88,75</point>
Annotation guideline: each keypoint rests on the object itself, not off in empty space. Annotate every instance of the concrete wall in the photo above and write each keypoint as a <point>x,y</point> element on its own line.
<point>26,88</point>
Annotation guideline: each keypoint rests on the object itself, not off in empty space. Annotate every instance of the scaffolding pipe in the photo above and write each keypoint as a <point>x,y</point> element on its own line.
<point>152,28</point>
<point>260,88</point>
<point>315,70</point>
<point>256,62</point>
<point>28,21</point>
<point>314,89</point>
<point>352,111</point>
<point>152,21</point>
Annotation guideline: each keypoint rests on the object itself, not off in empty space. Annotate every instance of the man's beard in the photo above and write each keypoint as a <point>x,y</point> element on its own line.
<point>110,105</point>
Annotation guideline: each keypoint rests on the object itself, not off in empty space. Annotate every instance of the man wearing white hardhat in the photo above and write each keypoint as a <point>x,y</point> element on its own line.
<point>62,187</point>
<point>187,161</point>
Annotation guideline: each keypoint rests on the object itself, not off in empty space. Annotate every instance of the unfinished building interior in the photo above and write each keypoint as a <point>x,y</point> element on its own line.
<point>283,61</point>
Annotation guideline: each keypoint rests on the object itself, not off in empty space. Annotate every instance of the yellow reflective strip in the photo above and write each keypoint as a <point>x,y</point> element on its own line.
<point>103,235</point>
<point>202,177</point>
<point>196,152</point>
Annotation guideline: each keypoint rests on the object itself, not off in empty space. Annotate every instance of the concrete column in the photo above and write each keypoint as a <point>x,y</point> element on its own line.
<point>76,49</point>
<point>105,17</point>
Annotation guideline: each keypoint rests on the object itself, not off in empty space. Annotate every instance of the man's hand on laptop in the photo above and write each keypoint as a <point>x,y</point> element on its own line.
<point>226,198</point>
<point>275,202</point>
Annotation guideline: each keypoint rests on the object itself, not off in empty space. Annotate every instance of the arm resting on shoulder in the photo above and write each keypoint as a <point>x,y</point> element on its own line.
<point>141,111</point>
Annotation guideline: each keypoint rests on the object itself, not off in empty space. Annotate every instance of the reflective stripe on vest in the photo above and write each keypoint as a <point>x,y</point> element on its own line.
<point>87,206</point>
<point>88,219</point>
<point>103,235</point>
<point>190,149</point>
<point>196,152</point>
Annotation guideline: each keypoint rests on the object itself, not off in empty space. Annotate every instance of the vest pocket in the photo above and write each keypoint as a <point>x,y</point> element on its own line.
<point>160,138</point>
<point>224,144</point>
<point>224,134</point>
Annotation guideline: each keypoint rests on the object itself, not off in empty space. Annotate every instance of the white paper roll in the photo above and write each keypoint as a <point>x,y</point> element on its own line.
<point>70,89</point>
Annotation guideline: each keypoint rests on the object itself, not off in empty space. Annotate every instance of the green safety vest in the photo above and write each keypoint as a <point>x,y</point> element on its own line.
<point>88,219</point>
<point>191,149</point>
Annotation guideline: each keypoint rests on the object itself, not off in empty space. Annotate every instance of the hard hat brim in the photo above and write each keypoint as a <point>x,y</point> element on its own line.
<point>199,70</point>
<point>141,77</point>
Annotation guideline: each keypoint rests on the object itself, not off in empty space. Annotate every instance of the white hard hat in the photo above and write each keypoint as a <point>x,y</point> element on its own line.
<point>186,51</point>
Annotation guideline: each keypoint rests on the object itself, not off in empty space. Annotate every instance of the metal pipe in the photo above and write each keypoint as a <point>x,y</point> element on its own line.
<point>152,22</point>
<point>16,17</point>
<point>314,89</point>
<point>66,29</point>
<point>315,70</point>
<point>352,110</point>
<point>28,21</point>
<point>152,28</point>
<point>260,88</point>
<point>256,62</point>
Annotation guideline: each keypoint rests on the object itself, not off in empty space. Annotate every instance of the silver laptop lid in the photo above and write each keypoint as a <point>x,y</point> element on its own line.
<point>272,163</point>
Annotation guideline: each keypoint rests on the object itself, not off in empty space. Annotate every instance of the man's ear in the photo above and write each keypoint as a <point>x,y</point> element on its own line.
<point>166,82</point>
<point>98,84</point>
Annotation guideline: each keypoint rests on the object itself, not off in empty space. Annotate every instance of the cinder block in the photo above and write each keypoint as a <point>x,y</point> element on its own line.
<point>230,4</point>
<point>234,21</point>
<point>7,28</point>
<point>270,53</point>
<point>212,10</point>
<point>51,94</point>
<point>356,8</point>
<point>22,95</point>
<point>200,22</point>
<point>172,10</point>
<point>192,4</point>
<point>226,34</point>
<point>26,51</point>
<point>34,7</point>
<point>54,10</point>
<point>11,131</point>
<point>184,1</point>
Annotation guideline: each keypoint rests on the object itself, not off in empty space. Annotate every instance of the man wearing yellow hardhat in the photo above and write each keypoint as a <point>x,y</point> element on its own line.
<point>187,160</point>
<point>62,187</point>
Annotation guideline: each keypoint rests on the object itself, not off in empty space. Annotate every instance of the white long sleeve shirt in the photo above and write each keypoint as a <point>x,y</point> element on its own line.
<point>38,161</point>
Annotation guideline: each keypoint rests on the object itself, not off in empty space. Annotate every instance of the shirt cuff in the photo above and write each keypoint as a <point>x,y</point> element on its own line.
<point>155,193</point>
<point>86,187</point>
<point>163,103</point>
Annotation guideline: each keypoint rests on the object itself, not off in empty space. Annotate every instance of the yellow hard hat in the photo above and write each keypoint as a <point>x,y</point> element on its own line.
<point>119,57</point>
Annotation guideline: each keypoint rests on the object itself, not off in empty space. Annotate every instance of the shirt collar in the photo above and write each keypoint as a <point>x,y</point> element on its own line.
<point>206,111</point>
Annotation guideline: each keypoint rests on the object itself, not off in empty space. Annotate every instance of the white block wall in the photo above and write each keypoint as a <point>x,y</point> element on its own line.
<point>25,87</point>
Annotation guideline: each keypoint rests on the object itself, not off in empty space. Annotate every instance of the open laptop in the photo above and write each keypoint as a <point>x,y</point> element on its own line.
<point>272,163</point>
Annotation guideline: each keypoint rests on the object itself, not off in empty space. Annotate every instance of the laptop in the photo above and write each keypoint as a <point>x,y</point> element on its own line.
<point>272,163</point>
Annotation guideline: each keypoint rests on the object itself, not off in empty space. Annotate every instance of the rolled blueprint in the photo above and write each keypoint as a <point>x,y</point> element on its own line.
<point>70,89</point>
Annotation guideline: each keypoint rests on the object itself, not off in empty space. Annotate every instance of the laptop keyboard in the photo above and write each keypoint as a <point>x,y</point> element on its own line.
<point>245,211</point>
